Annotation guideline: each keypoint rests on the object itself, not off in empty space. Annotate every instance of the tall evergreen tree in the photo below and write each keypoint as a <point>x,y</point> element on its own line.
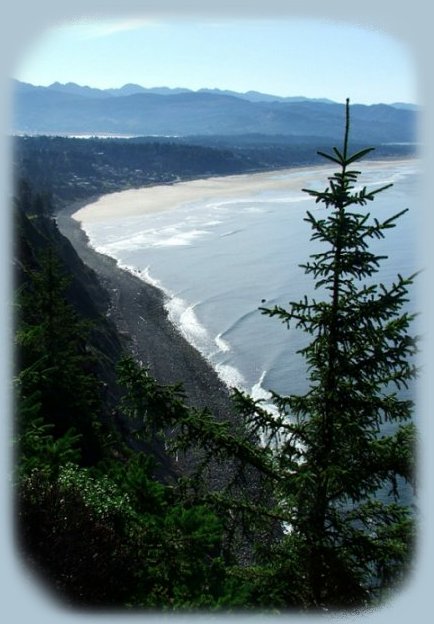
<point>53,357</point>
<point>333,455</point>
<point>333,466</point>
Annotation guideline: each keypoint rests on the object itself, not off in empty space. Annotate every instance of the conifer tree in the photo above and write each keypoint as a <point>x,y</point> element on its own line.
<point>53,357</point>
<point>331,468</point>
<point>332,455</point>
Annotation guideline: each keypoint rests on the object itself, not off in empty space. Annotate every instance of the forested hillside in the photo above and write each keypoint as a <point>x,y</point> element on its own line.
<point>105,515</point>
<point>66,169</point>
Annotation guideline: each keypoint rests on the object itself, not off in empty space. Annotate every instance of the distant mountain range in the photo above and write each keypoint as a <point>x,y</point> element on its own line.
<point>132,110</point>
<point>131,89</point>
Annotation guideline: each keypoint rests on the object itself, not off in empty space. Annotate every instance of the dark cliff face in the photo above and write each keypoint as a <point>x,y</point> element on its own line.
<point>34,235</point>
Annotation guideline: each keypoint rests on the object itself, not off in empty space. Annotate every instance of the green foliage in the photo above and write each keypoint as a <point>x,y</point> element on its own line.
<point>99,494</point>
<point>184,568</point>
<point>332,447</point>
<point>55,364</point>
<point>76,538</point>
<point>134,477</point>
<point>146,403</point>
<point>39,449</point>
<point>49,327</point>
<point>107,544</point>
<point>167,551</point>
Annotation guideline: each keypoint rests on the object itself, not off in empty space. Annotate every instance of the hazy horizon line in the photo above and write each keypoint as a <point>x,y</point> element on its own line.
<point>219,89</point>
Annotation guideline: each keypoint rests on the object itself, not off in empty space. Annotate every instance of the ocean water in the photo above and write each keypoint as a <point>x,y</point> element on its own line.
<point>218,258</point>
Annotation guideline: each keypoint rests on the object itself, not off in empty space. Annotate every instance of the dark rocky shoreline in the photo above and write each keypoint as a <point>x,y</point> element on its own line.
<point>137,310</point>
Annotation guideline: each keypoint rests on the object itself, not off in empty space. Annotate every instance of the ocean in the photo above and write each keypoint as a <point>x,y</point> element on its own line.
<point>218,257</point>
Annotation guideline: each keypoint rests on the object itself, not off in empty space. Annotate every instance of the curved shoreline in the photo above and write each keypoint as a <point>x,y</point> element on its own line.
<point>138,307</point>
<point>138,312</point>
<point>161,197</point>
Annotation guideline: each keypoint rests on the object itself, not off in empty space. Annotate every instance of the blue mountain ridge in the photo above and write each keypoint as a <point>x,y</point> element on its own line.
<point>134,110</point>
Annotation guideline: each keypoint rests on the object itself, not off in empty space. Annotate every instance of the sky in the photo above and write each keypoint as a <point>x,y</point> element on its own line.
<point>286,57</point>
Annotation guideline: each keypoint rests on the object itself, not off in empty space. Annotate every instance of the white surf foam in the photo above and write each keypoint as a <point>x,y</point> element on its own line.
<point>222,344</point>
<point>230,376</point>
<point>171,236</point>
<point>147,277</point>
<point>213,223</point>
<point>259,393</point>
<point>182,315</point>
<point>181,239</point>
<point>184,318</point>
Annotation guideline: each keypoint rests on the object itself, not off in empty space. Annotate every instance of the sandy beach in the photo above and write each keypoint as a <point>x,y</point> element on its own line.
<point>134,202</point>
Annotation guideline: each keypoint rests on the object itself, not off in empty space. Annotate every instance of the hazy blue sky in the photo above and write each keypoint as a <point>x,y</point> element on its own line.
<point>282,57</point>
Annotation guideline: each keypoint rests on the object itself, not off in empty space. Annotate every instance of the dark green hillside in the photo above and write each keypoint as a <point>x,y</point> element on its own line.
<point>102,524</point>
<point>39,244</point>
<point>66,169</point>
<point>72,169</point>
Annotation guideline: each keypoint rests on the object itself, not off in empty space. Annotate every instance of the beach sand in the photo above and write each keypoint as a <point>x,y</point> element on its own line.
<point>135,202</point>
